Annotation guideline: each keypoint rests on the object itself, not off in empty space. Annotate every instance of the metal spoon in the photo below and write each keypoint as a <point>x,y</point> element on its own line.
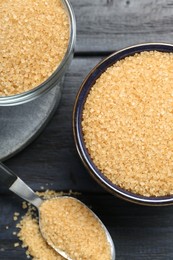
<point>16,185</point>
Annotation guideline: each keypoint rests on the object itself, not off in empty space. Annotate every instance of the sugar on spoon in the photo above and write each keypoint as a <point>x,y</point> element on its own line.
<point>16,185</point>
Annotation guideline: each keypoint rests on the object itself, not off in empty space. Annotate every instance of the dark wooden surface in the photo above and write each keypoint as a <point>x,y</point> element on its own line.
<point>52,162</point>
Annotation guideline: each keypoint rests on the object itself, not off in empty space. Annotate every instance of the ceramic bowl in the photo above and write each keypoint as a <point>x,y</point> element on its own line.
<point>77,128</point>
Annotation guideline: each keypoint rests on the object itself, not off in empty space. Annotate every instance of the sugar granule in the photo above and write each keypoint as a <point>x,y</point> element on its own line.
<point>16,244</point>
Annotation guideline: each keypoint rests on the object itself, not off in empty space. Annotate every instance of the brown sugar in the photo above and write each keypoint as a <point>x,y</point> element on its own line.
<point>33,240</point>
<point>34,40</point>
<point>72,223</point>
<point>71,227</point>
<point>127,123</point>
<point>29,232</point>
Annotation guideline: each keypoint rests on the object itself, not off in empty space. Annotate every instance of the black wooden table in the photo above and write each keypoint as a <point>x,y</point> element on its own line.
<point>51,161</point>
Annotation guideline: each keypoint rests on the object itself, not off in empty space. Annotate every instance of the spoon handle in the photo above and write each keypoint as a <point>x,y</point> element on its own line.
<point>16,185</point>
<point>7,177</point>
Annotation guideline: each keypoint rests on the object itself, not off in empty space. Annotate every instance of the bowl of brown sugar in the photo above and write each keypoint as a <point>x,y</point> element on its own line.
<point>122,123</point>
<point>37,45</point>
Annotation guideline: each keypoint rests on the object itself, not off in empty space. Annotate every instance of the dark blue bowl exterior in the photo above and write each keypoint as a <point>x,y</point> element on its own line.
<point>77,128</point>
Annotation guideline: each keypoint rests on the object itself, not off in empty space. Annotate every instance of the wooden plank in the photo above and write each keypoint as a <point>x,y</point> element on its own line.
<point>51,161</point>
<point>109,25</point>
<point>138,232</point>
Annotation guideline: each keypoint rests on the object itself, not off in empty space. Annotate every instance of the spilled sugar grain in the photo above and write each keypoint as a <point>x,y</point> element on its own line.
<point>30,235</point>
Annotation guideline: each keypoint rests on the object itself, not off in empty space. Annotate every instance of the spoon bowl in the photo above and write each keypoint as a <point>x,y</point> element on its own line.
<point>16,185</point>
<point>85,217</point>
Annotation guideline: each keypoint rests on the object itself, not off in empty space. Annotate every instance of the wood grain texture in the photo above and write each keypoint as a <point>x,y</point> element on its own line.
<point>52,162</point>
<point>109,25</point>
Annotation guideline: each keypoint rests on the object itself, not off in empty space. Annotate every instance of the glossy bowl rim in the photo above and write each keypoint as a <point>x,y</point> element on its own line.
<point>77,132</point>
<point>50,81</point>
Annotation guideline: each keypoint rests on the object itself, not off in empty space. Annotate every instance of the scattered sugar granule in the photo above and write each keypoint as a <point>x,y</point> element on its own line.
<point>24,205</point>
